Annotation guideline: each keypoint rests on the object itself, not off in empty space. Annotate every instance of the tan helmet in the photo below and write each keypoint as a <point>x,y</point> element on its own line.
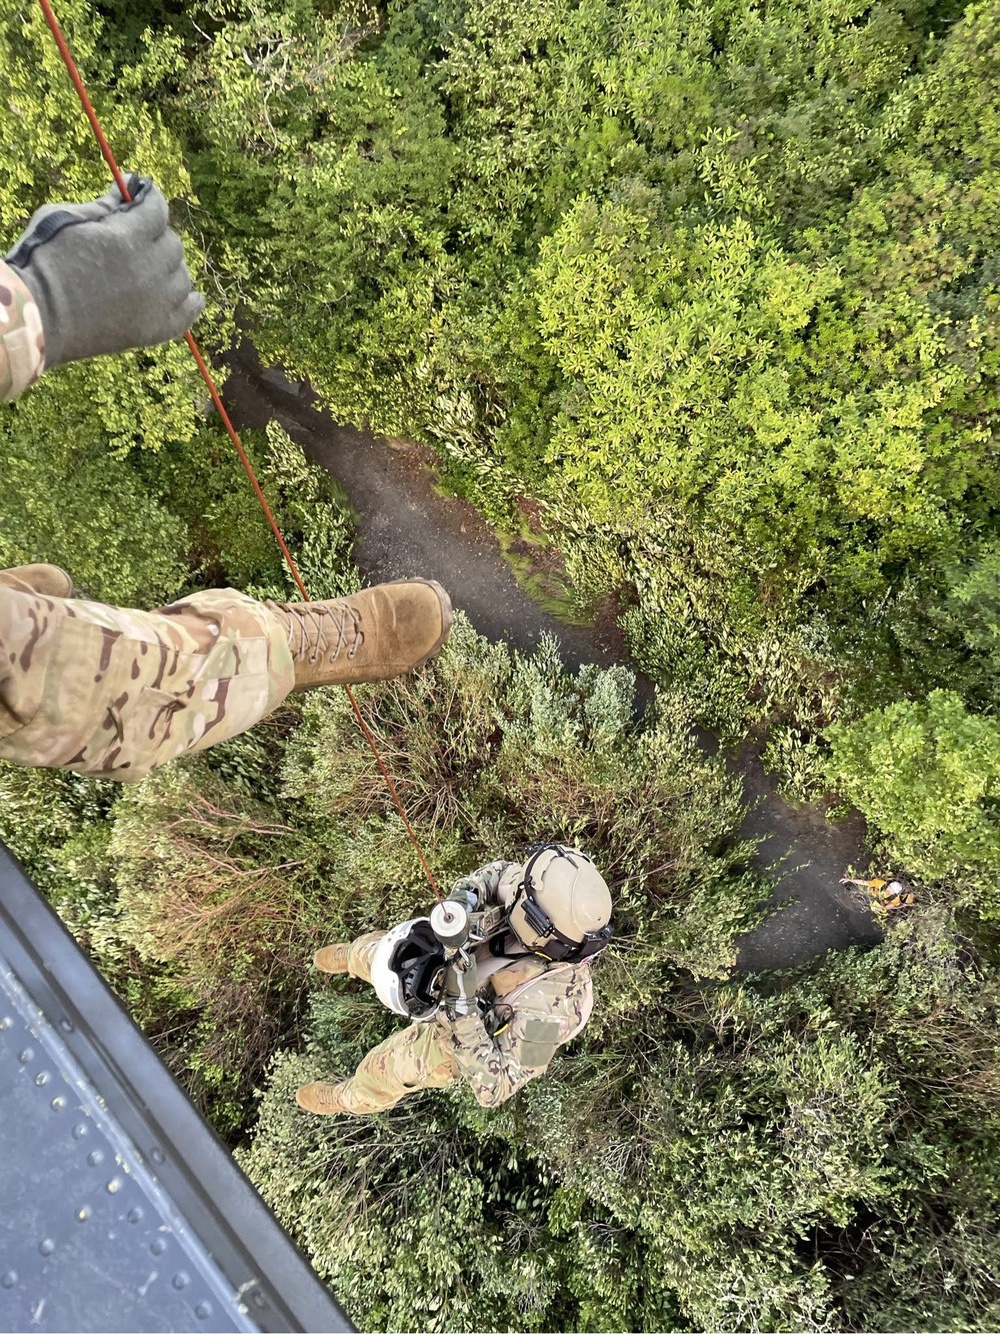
<point>561,905</point>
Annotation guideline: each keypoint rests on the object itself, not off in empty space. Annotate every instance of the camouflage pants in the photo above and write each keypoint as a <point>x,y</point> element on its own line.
<point>113,693</point>
<point>415,1058</point>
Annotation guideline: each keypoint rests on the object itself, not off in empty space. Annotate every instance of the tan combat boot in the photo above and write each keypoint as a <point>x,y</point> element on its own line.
<point>332,959</point>
<point>48,581</point>
<point>321,1099</point>
<point>373,635</point>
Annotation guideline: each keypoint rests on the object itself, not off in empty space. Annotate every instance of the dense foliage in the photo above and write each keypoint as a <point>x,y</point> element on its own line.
<point>714,287</point>
<point>714,283</point>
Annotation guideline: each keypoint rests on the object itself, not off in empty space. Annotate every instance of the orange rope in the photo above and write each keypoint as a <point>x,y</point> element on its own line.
<point>206,375</point>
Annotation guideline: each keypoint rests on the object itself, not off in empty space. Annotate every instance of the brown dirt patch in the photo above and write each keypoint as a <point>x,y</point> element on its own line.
<point>532,511</point>
<point>607,624</point>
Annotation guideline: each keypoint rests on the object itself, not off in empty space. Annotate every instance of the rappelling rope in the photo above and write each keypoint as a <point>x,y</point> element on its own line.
<point>206,375</point>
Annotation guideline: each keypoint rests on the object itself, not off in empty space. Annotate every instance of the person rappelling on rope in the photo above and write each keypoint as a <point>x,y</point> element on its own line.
<point>496,979</point>
<point>113,693</point>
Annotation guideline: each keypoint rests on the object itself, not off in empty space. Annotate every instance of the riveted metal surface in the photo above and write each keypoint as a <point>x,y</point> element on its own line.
<point>88,1240</point>
<point>120,1209</point>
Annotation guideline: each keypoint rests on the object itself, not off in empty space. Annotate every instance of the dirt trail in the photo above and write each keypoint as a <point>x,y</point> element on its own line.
<point>405,527</point>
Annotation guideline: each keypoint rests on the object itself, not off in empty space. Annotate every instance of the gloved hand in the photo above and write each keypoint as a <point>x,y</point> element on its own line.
<point>465,894</point>
<point>460,982</point>
<point>107,275</point>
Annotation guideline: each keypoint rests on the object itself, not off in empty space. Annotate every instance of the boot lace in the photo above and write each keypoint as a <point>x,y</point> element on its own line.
<point>316,631</point>
<point>336,954</point>
<point>328,1095</point>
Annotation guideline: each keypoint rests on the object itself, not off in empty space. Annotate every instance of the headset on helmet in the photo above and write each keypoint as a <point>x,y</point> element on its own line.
<point>558,947</point>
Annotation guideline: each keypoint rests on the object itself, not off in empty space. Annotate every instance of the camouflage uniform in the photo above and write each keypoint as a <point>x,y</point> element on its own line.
<point>113,693</point>
<point>541,1006</point>
<point>22,347</point>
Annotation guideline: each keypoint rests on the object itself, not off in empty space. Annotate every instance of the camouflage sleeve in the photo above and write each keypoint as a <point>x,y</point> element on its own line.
<point>22,346</point>
<point>552,1011</point>
<point>484,882</point>
<point>494,1073</point>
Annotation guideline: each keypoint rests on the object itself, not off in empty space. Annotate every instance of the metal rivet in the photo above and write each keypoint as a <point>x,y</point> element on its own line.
<point>28,1054</point>
<point>79,1130</point>
<point>180,1280</point>
<point>83,1214</point>
<point>46,1247</point>
<point>135,1214</point>
<point>95,1156</point>
<point>42,1079</point>
<point>6,1022</point>
<point>203,1310</point>
<point>258,1299</point>
<point>114,1185</point>
<point>157,1155</point>
<point>66,1025</point>
<point>58,1103</point>
<point>9,1279</point>
<point>157,1246</point>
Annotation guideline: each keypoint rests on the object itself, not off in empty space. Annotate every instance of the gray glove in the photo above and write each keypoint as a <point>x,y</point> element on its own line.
<point>106,276</point>
<point>460,987</point>
<point>464,894</point>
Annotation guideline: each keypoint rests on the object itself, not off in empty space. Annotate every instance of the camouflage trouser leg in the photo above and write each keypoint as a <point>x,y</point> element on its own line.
<point>418,1057</point>
<point>113,693</point>
<point>359,960</point>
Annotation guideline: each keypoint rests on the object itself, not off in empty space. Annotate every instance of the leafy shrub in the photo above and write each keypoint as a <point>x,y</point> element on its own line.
<point>928,775</point>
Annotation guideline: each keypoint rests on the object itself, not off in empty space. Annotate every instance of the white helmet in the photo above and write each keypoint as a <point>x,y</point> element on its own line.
<point>408,969</point>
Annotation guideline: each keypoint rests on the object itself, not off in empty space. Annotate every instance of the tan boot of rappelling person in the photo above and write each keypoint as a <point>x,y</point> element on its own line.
<point>320,1098</point>
<point>333,958</point>
<point>373,635</point>
<point>47,581</point>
